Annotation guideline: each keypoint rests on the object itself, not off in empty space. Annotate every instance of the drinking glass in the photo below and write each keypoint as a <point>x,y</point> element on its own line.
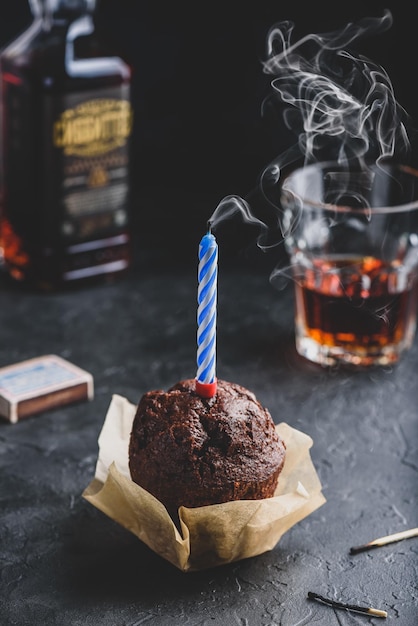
<point>351,232</point>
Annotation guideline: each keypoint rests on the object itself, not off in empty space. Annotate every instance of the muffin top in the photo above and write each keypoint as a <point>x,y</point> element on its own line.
<point>188,450</point>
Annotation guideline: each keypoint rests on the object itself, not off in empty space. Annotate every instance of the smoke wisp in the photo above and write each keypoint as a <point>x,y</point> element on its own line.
<point>339,105</point>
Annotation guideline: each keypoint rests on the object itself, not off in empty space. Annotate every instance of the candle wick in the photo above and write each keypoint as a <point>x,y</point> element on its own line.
<point>209,226</point>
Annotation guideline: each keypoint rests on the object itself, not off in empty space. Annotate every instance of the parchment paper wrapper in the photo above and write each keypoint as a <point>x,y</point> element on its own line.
<point>210,535</point>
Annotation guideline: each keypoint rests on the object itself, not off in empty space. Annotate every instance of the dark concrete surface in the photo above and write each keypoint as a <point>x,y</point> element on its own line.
<point>64,563</point>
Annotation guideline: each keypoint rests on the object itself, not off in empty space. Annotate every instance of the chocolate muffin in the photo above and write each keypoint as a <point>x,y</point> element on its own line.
<point>191,451</point>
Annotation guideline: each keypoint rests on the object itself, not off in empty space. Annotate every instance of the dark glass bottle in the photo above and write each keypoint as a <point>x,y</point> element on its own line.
<point>66,121</point>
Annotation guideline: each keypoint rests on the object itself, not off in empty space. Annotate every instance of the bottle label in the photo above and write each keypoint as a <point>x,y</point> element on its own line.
<point>88,143</point>
<point>94,127</point>
<point>65,169</point>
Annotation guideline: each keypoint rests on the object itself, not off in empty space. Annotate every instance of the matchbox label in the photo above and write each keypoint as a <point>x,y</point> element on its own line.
<point>40,384</point>
<point>32,378</point>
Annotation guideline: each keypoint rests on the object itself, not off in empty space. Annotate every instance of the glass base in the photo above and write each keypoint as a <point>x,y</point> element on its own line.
<point>330,356</point>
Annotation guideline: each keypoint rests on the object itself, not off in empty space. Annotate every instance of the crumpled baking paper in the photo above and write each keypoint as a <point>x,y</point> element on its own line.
<point>209,535</point>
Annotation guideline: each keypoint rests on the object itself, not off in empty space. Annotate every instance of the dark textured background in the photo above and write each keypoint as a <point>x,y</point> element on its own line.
<point>197,90</point>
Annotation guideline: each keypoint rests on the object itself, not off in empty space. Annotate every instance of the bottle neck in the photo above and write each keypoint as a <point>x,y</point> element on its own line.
<point>62,9</point>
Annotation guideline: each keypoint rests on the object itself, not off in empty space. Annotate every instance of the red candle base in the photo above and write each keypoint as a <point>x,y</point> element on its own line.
<point>206,390</point>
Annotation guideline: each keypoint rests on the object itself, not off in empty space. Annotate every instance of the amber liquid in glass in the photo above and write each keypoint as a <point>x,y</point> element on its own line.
<point>359,309</point>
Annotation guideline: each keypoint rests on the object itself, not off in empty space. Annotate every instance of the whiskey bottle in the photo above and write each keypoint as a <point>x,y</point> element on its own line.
<point>66,122</point>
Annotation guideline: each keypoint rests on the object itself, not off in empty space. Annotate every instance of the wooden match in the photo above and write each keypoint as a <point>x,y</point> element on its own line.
<point>347,607</point>
<point>382,541</point>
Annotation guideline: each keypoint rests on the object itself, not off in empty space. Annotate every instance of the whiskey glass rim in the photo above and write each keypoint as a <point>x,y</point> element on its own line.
<point>388,168</point>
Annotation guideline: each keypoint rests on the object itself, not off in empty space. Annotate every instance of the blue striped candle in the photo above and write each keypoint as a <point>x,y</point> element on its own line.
<point>206,316</point>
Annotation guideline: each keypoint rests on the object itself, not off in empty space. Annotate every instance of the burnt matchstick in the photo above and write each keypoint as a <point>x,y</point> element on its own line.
<point>382,541</point>
<point>347,607</point>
